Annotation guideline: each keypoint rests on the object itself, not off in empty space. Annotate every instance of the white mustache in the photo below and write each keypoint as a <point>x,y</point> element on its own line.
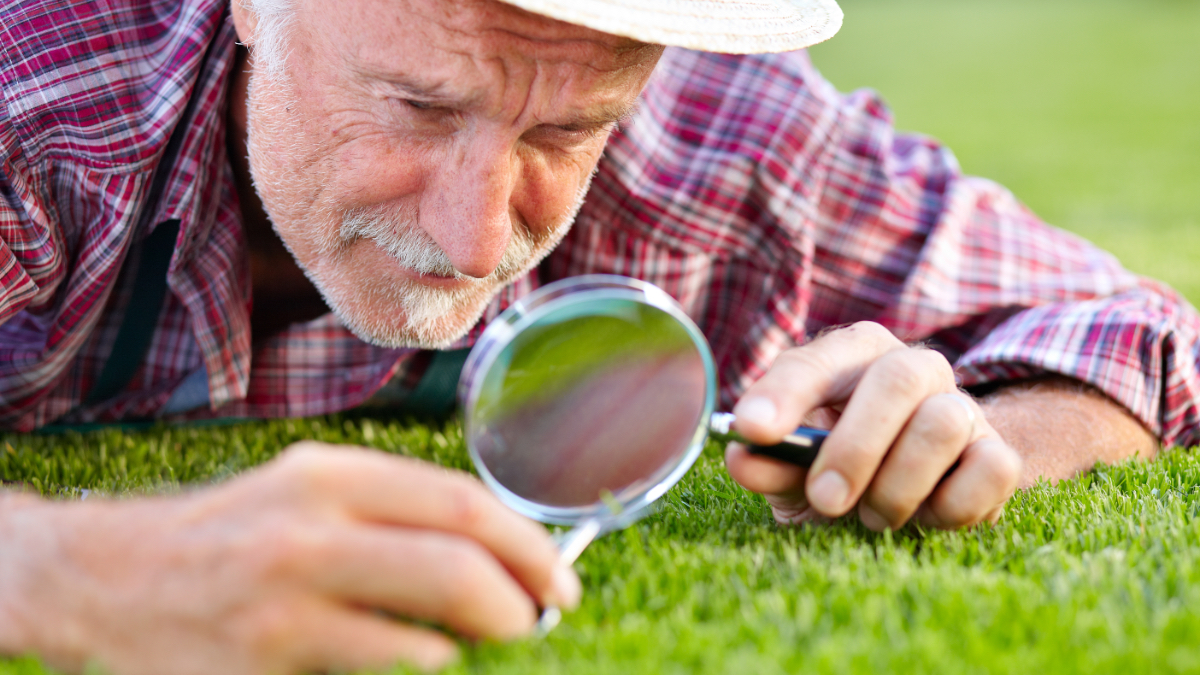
<point>413,248</point>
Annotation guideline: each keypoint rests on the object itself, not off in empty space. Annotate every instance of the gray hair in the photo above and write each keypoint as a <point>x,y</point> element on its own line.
<point>269,42</point>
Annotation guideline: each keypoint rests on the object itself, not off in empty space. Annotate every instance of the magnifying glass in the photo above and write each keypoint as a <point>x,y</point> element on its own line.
<point>591,397</point>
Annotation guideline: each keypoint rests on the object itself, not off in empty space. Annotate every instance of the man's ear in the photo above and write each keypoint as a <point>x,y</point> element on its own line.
<point>245,22</point>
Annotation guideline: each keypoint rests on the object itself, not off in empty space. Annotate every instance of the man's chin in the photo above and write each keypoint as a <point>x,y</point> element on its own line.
<point>420,328</point>
<point>395,338</point>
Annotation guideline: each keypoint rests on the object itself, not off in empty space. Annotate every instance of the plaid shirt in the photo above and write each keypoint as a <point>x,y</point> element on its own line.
<point>767,203</point>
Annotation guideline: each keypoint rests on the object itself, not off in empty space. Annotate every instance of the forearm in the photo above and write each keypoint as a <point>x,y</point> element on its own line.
<point>1062,427</point>
<point>49,589</point>
<point>26,533</point>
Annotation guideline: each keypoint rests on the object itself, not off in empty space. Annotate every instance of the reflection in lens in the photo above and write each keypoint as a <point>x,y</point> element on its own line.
<point>578,407</point>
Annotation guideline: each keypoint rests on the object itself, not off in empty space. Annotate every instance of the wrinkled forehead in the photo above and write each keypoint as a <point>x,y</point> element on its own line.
<point>378,29</point>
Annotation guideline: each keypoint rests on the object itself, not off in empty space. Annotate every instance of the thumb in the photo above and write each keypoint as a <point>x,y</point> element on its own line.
<point>781,483</point>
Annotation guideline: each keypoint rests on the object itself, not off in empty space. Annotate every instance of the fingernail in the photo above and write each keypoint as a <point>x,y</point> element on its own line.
<point>829,492</point>
<point>789,516</point>
<point>757,410</point>
<point>566,587</point>
<point>797,516</point>
<point>872,519</point>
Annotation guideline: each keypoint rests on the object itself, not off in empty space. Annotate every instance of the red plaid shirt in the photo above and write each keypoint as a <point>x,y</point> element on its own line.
<point>769,204</point>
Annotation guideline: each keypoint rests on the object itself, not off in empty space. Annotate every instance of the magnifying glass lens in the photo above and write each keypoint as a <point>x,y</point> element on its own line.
<point>583,409</point>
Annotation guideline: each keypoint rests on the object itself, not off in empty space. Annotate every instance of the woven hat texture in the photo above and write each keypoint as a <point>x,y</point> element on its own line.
<point>726,26</point>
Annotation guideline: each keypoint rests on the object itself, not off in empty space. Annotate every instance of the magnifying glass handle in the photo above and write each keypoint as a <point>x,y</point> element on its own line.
<point>572,543</point>
<point>799,447</point>
<point>570,546</point>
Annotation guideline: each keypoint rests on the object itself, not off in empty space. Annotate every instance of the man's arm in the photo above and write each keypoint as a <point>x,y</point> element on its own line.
<point>906,443</point>
<point>1061,427</point>
<point>903,239</point>
<point>301,565</point>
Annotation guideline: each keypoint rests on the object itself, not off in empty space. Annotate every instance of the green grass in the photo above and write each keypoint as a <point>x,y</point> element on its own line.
<point>1089,111</point>
<point>1099,573</point>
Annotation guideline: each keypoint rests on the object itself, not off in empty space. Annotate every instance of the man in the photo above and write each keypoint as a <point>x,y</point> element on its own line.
<point>416,158</point>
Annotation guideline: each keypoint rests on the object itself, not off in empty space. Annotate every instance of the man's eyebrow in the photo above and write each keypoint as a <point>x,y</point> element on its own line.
<point>599,116</point>
<point>604,115</point>
<point>409,88</point>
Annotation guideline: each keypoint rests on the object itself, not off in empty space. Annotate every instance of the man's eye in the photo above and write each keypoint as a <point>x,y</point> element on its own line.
<point>593,132</point>
<point>589,133</point>
<point>419,105</point>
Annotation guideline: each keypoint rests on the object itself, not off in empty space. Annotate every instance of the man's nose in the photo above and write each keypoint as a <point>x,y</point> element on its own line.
<point>467,209</point>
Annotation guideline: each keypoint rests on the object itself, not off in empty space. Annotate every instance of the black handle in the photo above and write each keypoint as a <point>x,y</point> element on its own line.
<point>799,447</point>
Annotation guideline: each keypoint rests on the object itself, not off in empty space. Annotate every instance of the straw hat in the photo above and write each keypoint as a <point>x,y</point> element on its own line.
<point>727,26</point>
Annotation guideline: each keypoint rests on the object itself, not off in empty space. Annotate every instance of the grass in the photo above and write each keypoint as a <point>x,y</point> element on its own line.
<point>1087,110</point>
<point>1099,573</point>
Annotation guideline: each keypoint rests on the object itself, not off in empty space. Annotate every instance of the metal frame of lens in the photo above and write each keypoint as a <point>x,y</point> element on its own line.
<point>527,312</point>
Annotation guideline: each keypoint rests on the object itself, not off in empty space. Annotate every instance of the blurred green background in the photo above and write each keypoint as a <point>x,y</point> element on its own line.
<point>1088,110</point>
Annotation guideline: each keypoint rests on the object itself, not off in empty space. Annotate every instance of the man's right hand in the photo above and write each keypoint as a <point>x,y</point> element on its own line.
<point>293,567</point>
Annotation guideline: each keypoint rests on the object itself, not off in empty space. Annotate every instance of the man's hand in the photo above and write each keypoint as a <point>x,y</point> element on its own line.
<point>898,424</point>
<point>297,566</point>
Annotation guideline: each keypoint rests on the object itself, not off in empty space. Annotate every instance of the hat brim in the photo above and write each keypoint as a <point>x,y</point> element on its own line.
<point>725,26</point>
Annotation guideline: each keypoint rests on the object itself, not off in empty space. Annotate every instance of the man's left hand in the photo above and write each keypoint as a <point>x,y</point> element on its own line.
<point>904,439</point>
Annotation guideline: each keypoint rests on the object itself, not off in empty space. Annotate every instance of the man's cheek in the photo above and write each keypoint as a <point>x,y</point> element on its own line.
<point>547,203</point>
<point>365,176</point>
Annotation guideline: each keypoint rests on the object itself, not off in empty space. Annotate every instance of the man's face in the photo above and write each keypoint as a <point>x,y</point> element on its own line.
<point>417,155</point>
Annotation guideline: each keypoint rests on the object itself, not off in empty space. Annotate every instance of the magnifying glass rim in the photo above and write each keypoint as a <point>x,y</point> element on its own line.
<point>528,311</point>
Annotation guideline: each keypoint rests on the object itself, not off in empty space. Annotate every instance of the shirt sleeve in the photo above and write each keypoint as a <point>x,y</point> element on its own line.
<point>30,260</point>
<point>16,288</point>
<point>903,238</point>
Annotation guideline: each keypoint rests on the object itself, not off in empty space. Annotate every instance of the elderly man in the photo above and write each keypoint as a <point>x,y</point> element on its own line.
<point>411,164</point>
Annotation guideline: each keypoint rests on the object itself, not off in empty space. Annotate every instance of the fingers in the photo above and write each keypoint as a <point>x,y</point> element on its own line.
<point>762,474</point>
<point>932,441</point>
<point>448,580</point>
<point>342,639</point>
<point>885,400</point>
<point>377,487</point>
<point>901,425</point>
<point>782,483</point>
<point>986,477</point>
<point>823,371</point>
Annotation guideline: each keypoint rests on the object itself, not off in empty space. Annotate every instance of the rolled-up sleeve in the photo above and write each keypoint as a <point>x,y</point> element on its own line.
<point>905,239</point>
<point>1138,346</point>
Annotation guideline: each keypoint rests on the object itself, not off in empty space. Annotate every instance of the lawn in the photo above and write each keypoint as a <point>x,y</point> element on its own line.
<point>1088,110</point>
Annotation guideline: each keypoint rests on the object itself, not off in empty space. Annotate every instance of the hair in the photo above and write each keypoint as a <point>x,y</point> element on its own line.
<point>269,42</point>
